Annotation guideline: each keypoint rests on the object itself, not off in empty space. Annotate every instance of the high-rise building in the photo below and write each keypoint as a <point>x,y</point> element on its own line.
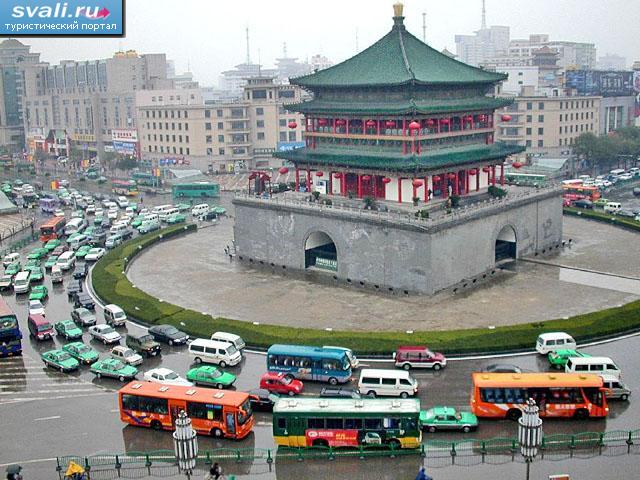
<point>482,45</point>
<point>18,73</point>
<point>611,61</point>
<point>577,55</point>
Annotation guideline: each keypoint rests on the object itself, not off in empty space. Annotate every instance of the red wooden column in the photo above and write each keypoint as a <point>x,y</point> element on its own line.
<point>330,183</point>
<point>374,179</point>
<point>297,180</point>
<point>493,175</point>
<point>404,129</point>
<point>359,186</point>
<point>426,189</point>
<point>343,184</point>
<point>488,175</point>
<point>399,189</point>
<point>456,185</point>
<point>502,174</point>
<point>466,182</point>
<point>477,179</point>
<point>444,184</point>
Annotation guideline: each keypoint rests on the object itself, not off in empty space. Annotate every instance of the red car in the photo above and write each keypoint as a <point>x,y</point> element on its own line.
<point>280,383</point>
<point>419,357</point>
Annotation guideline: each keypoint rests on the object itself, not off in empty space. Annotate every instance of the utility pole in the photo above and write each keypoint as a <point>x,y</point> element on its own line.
<point>424,27</point>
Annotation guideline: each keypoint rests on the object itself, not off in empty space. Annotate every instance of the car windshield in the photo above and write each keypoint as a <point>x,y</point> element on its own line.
<point>43,327</point>
<point>128,353</point>
<point>63,356</point>
<point>117,365</point>
<point>107,330</point>
<point>86,314</point>
<point>171,376</point>
<point>171,331</point>
<point>231,349</point>
<point>215,374</point>
<point>244,413</point>
<point>146,339</point>
<point>82,349</point>
<point>285,380</point>
<point>35,304</point>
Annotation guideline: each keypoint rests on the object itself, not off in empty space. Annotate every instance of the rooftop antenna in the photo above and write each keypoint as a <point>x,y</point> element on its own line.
<point>248,54</point>
<point>424,27</point>
<point>484,16</point>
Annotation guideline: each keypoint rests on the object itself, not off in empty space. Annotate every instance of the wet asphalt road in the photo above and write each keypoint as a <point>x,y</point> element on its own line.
<point>49,414</point>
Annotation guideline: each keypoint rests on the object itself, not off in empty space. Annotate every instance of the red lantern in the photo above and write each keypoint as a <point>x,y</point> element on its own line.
<point>486,169</point>
<point>366,178</point>
<point>417,183</point>
<point>293,125</point>
<point>322,122</point>
<point>506,118</point>
<point>283,170</point>
<point>414,125</point>
<point>482,118</point>
<point>452,176</point>
<point>371,123</point>
<point>430,123</point>
<point>516,164</point>
<point>340,122</point>
<point>444,120</point>
<point>472,172</point>
<point>470,118</point>
<point>319,174</point>
<point>390,124</point>
<point>436,178</point>
<point>337,175</point>
<point>386,180</point>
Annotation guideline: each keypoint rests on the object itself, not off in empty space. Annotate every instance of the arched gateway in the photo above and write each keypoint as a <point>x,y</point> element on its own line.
<point>506,244</point>
<point>320,252</point>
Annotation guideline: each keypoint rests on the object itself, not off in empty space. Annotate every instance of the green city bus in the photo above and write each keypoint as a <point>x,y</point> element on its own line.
<point>195,190</point>
<point>146,179</point>
<point>528,179</point>
<point>346,422</point>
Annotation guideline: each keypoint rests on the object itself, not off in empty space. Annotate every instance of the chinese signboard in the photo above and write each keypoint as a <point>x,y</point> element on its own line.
<point>601,82</point>
<point>125,148</point>
<point>327,263</point>
<point>636,89</point>
<point>124,135</point>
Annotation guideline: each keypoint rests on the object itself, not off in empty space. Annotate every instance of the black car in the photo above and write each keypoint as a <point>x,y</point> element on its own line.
<point>262,400</point>
<point>168,334</point>
<point>82,317</point>
<point>73,287</point>
<point>208,216</point>
<point>80,271</point>
<point>126,234</point>
<point>98,237</point>
<point>81,299</point>
<point>502,368</point>
<point>582,203</point>
<point>340,392</point>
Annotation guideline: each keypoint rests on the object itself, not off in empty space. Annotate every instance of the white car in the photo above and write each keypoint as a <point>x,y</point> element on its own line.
<point>104,333</point>
<point>36,308</point>
<point>94,254</point>
<point>112,214</point>
<point>166,377</point>
<point>99,212</point>
<point>126,355</point>
<point>122,202</point>
<point>91,209</point>
<point>625,176</point>
<point>10,258</point>
<point>58,213</point>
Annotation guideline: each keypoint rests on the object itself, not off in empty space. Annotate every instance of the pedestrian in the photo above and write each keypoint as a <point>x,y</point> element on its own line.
<point>422,475</point>
<point>430,192</point>
<point>141,199</point>
<point>215,472</point>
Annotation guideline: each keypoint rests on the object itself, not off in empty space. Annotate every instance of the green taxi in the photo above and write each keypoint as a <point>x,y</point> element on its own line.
<point>77,214</point>
<point>82,252</point>
<point>51,261</point>
<point>68,329</point>
<point>38,254</point>
<point>176,218</point>
<point>89,231</point>
<point>60,360</point>
<point>219,210</point>
<point>36,273</point>
<point>13,268</point>
<point>51,245</point>
<point>558,358</point>
<point>98,221</point>
<point>447,418</point>
<point>138,220</point>
<point>209,376</point>
<point>73,236</point>
<point>601,202</point>
<point>32,263</point>
<point>183,207</point>
<point>111,367</point>
<point>81,352</point>
<point>39,292</point>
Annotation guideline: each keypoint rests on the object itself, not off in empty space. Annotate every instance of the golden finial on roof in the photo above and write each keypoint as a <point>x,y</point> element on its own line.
<point>397,9</point>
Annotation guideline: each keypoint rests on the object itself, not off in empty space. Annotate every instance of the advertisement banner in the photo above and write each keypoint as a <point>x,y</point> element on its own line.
<point>601,82</point>
<point>124,148</point>
<point>124,135</point>
<point>286,146</point>
<point>50,18</point>
<point>636,89</point>
<point>335,438</point>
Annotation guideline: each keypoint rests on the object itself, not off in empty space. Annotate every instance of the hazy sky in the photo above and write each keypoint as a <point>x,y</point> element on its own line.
<point>209,35</point>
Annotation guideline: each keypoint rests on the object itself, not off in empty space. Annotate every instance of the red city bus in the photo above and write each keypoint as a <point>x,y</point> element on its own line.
<point>219,413</point>
<point>500,395</point>
<point>579,192</point>
<point>52,228</point>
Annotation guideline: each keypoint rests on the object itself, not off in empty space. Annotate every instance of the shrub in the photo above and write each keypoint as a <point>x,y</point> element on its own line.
<point>423,213</point>
<point>455,201</point>
<point>415,200</point>
<point>496,192</point>
<point>315,195</point>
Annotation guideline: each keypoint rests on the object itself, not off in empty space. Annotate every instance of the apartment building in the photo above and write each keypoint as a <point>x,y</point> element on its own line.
<point>229,136</point>
<point>548,123</point>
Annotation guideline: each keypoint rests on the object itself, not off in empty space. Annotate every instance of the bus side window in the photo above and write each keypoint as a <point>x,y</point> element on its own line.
<point>353,423</point>
<point>282,423</point>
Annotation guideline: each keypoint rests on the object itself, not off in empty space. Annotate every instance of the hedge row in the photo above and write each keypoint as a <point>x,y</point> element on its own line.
<point>112,286</point>
<point>625,222</point>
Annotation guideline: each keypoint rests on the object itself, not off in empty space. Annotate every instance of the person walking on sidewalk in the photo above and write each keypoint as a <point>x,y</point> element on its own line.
<point>422,475</point>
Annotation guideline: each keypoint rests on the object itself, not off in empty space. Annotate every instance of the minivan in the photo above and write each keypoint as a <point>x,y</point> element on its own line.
<point>394,383</point>
<point>612,207</point>
<point>160,208</point>
<point>118,229</point>
<point>212,351</point>
<point>74,225</point>
<point>232,338</point>
<point>39,327</point>
<point>56,274</point>
<point>167,213</point>
<point>615,388</point>
<point>67,260</point>
<point>22,282</point>
<point>552,341</point>
<point>114,315</point>
<point>595,365</point>
<point>10,258</point>
<point>418,357</point>
<point>149,226</point>
<point>200,209</point>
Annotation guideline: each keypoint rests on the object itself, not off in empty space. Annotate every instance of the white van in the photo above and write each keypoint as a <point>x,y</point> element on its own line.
<point>393,383</point>
<point>200,209</point>
<point>118,229</point>
<point>212,351</point>
<point>149,226</point>
<point>67,260</point>
<point>56,274</point>
<point>167,213</point>
<point>617,171</point>
<point>74,225</point>
<point>10,258</point>
<point>552,341</point>
<point>595,365</point>
<point>22,282</point>
<point>232,338</point>
<point>612,207</point>
<point>161,208</point>
<point>114,315</point>
<point>615,388</point>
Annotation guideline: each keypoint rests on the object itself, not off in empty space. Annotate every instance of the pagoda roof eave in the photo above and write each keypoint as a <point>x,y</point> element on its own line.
<point>435,160</point>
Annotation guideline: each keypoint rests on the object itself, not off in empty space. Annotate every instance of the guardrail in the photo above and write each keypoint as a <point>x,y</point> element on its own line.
<point>551,444</point>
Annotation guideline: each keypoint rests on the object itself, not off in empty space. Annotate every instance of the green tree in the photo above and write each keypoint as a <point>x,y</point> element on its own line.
<point>126,163</point>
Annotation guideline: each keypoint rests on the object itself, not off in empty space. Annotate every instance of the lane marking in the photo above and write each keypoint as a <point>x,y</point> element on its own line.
<point>59,397</point>
<point>50,391</point>
<point>25,462</point>
<point>55,417</point>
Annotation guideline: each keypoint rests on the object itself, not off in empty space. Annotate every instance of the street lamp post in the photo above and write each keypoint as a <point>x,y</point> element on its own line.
<point>530,432</point>
<point>185,444</point>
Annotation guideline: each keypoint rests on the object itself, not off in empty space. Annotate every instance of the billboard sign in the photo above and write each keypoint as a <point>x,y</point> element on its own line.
<point>607,83</point>
<point>636,91</point>
<point>125,148</point>
<point>124,135</point>
<point>287,146</point>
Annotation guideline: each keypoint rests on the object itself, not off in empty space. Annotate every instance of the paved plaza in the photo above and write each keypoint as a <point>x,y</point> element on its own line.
<point>196,273</point>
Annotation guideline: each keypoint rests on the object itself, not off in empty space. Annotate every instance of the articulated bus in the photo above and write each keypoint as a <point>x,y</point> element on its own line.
<point>146,179</point>
<point>579,192</point>
<point>310,363</point>
<point>219,413</point>
<point>500,395</point>
<point>10,334</point>
<point>52,228</point>
<point>124,187</point>
<point>345,422</point>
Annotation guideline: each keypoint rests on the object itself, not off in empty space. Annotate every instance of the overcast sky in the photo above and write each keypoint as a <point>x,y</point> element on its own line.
<point>209,35</point>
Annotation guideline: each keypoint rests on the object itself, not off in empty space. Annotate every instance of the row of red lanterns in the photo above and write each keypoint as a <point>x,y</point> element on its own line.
<point>414,125</point>
<point>416,183</point>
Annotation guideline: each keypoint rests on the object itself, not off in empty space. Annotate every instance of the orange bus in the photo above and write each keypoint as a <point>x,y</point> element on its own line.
<point>500,395</point>
<point>219,413</point>
<point>52,228</point>
<point>579,192</point>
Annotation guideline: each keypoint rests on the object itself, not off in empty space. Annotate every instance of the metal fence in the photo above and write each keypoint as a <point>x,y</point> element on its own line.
<point>551,444</point>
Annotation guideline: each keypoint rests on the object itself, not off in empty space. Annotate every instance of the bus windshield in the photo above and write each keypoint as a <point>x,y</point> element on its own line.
<point>244,412</point>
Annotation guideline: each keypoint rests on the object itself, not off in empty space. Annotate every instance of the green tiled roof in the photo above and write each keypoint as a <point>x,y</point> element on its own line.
<point>434,106</point>
<point>398,58</point>
<point>435,159</point>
